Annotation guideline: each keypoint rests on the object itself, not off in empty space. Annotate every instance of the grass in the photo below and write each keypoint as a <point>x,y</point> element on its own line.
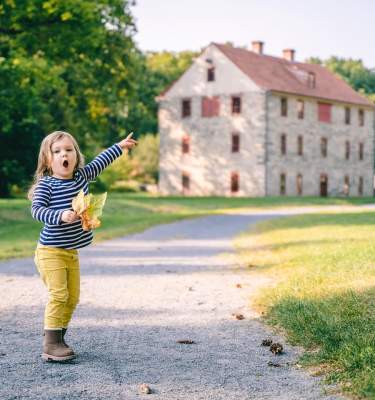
<point>128,213</point>
<point>323,297</point>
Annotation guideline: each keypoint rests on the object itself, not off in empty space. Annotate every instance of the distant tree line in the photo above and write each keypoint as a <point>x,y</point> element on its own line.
<point>74,65</point>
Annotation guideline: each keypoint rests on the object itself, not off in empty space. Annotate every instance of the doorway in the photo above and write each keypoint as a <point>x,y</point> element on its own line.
<point>323,185</point>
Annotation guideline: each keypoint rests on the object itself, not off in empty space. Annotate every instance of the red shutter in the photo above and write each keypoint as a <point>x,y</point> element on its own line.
<point>210,106</point>
<point>215,106</point>
<point>324,111</point>
<point>205,107</point>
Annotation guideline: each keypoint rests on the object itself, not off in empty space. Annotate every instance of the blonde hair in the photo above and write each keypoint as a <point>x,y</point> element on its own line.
<point>45,157</point>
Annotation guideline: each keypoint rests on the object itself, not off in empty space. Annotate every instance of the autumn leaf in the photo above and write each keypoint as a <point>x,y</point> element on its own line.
<point>185,341</point>
<point>89,208</point>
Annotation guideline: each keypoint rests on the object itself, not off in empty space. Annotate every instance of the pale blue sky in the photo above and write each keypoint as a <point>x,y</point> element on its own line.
<point>345,28</point>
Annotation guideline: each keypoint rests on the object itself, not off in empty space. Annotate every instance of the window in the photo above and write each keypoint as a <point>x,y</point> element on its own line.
<point>311,81</point>
<point>210,106</point>
<point>210,74</point>
<point>361,117</point>
<point>324,112</point>
<point>236,105</point>
<point>346,185</point>
<point>234,182</point>
<point>185,144</point>
<point>299,184</point>
<point>347,149</point>
<point>347,115</point>
<point>300,109</point>
<point>186,108</point>
<point>283,144</point>
<point>360,155</point>
<point>300,145</point>
<point>235,142</point>
<point>284,106</point>
<point>323,147</point>
<point>360,186</point>
<point>185,181</point>
<point>282,184</point>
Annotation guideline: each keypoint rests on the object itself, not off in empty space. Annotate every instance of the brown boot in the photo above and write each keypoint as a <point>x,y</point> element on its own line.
<point>63,332</point>
<point>53,347</point>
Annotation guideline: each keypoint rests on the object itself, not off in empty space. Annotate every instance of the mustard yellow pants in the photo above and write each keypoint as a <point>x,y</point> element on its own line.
<point>59,270</point>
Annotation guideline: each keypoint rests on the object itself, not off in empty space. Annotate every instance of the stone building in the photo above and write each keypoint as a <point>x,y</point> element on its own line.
<point>239,122</point>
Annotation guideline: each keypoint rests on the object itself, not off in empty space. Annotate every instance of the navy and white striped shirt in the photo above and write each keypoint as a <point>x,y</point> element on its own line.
<point>53,195</point>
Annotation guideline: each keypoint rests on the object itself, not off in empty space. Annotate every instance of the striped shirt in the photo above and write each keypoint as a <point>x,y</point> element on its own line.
<point>53,195</point>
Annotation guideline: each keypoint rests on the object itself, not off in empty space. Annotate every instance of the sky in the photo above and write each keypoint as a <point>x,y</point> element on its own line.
<point>343,28</point>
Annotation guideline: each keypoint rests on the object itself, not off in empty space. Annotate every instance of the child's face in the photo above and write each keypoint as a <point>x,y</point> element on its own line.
<point>64,158</point>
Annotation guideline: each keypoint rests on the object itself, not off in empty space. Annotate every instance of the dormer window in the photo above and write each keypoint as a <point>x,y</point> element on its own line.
<point>311,81</point>
<point>210,74</point>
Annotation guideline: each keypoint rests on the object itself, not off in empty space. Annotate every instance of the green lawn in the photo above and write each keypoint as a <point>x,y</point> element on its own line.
<point>323,266</point>
<point>127,213</point>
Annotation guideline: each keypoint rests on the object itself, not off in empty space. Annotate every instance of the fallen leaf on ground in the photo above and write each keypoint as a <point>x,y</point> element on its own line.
<point>239,285</point>
<point>186,341</point>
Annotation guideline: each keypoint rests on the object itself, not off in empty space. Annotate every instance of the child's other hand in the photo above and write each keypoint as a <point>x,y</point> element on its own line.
<point>69,216</point>
<point>128,142</point>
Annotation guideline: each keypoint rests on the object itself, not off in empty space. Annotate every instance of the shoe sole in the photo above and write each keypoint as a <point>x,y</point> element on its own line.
<point>48,357</point>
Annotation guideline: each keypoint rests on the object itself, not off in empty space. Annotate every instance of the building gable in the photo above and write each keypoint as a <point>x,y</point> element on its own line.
<point>228,78</point>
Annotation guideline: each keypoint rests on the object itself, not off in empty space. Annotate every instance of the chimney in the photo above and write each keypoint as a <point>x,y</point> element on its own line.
<point>288,54</point>
<point>257,47</point>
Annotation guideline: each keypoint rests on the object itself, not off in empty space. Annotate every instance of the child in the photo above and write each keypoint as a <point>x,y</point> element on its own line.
<point>59,176</point>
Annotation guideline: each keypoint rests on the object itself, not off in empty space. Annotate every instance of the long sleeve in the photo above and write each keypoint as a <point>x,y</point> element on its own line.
<point>39,206</point>
<point>100,162</point>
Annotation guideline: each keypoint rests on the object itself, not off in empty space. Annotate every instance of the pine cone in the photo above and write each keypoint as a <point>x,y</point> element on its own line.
<point>276,348</point>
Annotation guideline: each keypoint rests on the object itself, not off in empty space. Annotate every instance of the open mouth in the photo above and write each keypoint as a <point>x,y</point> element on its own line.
<point>66,163</point>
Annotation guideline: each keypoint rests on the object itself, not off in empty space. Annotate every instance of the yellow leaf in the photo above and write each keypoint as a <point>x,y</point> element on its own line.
<point>89,208</point>
<point>80,202</point>
<point>96,205</point>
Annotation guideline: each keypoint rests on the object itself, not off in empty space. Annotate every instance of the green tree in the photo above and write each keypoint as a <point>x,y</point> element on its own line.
<point>155,72</point>
<point>63,65</point>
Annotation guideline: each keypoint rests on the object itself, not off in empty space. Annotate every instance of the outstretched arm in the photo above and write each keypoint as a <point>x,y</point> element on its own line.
<point>106,157</point>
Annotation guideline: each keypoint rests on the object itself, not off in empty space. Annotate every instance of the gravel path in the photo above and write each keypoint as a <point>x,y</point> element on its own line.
<point>140,295</point>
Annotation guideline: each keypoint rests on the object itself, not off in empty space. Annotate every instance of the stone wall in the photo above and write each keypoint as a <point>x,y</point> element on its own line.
<point>211,161</point>
<point>311,164</point>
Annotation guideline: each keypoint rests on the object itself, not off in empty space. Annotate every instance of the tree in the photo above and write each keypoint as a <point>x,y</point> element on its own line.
<point>155,72</point>
<point>63,65</point>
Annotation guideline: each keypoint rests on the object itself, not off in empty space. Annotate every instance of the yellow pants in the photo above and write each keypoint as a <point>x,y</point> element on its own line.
<point>59,270</point>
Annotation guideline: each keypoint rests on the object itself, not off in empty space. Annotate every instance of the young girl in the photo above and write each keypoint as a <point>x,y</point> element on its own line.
<point>59,176</point>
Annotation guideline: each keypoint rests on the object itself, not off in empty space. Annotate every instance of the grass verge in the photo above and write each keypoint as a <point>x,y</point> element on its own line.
<point>323,266</point>
<point>128,213</point>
